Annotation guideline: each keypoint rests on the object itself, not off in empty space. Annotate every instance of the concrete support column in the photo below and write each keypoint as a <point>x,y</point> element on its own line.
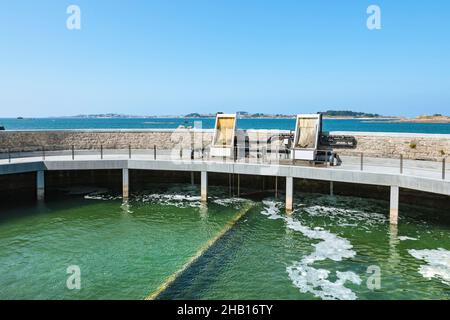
<point>204,186</point>
<point>393,214</point>
<point>40,185</point>
<point>289,194</point>
<point>125,184</point>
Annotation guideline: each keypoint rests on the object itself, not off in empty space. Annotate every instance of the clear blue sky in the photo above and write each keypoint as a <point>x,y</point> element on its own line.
<point>179,56</point>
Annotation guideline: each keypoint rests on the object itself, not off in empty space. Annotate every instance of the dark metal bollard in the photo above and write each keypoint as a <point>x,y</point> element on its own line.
<point>73,152</point>
<point>129,151</point>
<point>443,169</point>
<point>362,161</point>
<point>9,155</point>
<point>401,164</point>
<point>192,154</point>
<point>181,153</point>
<point>101,151</point>
<point>154,152</point>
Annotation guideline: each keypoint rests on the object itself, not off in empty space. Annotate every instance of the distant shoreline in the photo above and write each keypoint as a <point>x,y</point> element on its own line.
<point>436,121</point>
<point>390,119</point>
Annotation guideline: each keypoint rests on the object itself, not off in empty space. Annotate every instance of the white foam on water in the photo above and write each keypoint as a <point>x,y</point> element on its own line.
<point>309,279</point>
<point>438,264</point>
<point>178,196</point>
<point>271,210</point>
<point>229,202</point>
<point>103,197</point>
<point>177,200</point>
<point>405,238</point>
<point>344,215</point>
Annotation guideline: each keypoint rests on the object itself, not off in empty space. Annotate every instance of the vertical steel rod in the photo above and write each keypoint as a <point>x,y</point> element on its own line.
<point>101,151</point>
<point>73,152</point>
<point>276,187</point>
<point>129,151</point>
<point>238,185</point>
<point>154,152</point>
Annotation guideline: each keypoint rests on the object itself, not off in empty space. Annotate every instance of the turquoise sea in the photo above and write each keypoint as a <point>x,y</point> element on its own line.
<point>371,125</point>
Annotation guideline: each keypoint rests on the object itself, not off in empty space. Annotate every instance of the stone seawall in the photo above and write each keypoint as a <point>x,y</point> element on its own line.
<point>389,145</point>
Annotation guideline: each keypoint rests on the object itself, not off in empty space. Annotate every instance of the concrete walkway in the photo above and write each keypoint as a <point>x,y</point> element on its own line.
<point>417,175</point>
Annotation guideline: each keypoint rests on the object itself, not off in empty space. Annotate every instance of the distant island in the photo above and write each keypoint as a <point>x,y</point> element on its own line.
<point>348,114</point>
<point>326,114</point>
<point>338,114</point>
<point>435,118</point>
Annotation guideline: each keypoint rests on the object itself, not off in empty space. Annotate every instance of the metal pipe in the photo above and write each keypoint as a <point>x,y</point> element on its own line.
<point>129,151</point>
<point>73,152</point>
<point>276,187</point>
<point>238,185</point>
<point>101,151</point>
<point>154,152</point>
<point>9,155</point>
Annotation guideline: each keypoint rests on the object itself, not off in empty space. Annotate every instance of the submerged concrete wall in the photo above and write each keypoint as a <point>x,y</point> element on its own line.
<point>389,145</point>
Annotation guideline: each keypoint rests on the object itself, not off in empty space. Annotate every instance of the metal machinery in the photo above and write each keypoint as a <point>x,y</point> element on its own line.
<point>307,144</point>
<point>306,137</point>
<point>224,136</point>
<point>310,144</point>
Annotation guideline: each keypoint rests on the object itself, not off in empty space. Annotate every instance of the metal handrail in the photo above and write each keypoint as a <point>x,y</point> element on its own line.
<point>44,152</point>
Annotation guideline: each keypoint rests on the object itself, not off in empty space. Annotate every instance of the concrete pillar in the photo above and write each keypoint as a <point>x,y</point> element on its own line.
<point>204,186</point>
<point>331,188</point>
<point>125,184</point>
<point>40,185</point>
<point>394,205</point>
<point>289,194</point>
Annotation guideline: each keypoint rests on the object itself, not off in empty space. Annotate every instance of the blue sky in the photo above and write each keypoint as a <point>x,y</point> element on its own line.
<point>167,57</point>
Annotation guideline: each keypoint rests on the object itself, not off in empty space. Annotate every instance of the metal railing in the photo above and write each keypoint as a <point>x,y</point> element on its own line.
<point>245,153</point>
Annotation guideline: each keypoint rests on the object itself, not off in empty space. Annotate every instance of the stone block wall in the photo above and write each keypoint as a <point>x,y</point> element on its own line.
<point>389,145</point>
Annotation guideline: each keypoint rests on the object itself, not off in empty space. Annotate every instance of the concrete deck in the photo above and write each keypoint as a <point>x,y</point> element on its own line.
<point>417,175</point>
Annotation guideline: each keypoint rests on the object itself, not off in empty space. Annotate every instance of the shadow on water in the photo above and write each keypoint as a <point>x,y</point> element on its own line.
<point>192,283</point>
<point>55,200</point>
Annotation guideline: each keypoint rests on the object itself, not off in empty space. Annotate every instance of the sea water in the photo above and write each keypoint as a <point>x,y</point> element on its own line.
<point>366,125</point>
<point>339,248</point>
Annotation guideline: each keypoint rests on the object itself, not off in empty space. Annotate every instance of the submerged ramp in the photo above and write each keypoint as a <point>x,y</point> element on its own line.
<point>200,252</point>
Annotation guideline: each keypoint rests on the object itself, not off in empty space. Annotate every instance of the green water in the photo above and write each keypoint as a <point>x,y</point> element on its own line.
<point>322,251</point>
<point>327,239</point>
<point>123,251</point>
